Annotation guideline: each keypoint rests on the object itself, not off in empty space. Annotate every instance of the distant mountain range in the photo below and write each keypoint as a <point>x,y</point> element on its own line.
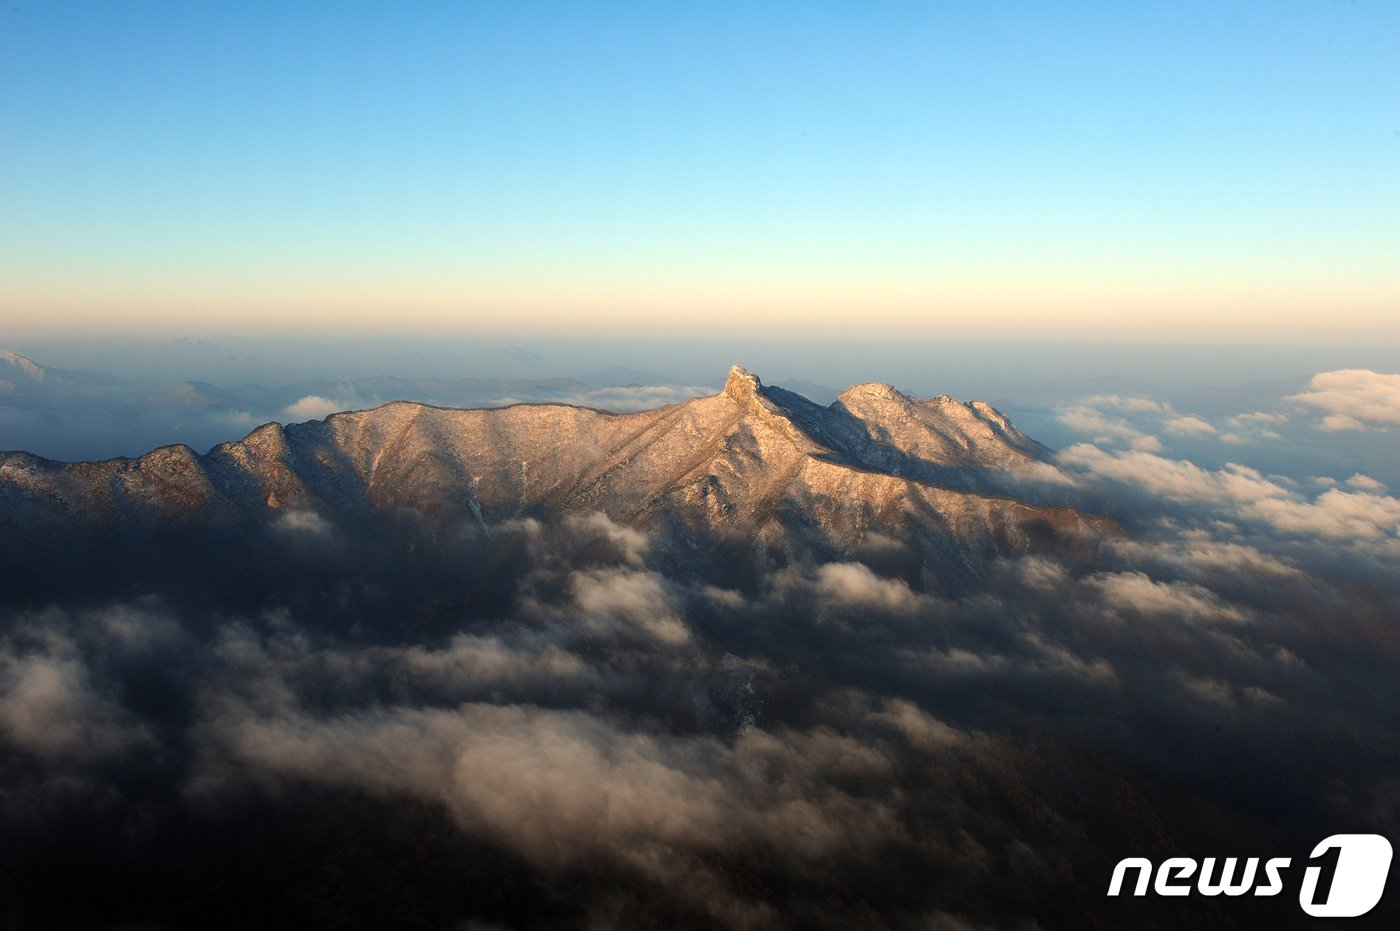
<point>70,414</point>
<point>364,392</point>
<point>20,375</point>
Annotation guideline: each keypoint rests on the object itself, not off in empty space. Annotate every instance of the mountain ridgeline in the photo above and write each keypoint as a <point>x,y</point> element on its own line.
<point>754,470</point>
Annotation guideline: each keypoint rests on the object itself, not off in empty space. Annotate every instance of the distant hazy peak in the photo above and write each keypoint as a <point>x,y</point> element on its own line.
<point>26,365</point>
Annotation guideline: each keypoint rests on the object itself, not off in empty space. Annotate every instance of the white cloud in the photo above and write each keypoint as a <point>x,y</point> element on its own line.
<point>1251,437</point>
<point>1199,555</point>
<point>1174,479</point>
<point>727,597</point>
<point>917,726</point>
<point>1240,420</point>
<point>313,407</point>
<point>1141,415</point>
<point>49,706</point>
<point>1189,424</point>
<point>303,522</point>
<point>1336,515</point>
<point>621,600</point>
<point>474,661</point>
<point>622,398</point>
<point>1095,423</point>
<point>1354,399</point>
<point>1142,404</point>
<point>1365,483</point>
<point>1037,473</point>
<point>568,788</point>
<point>1247,493</point>
<point>854,584</point>
<point>1042,574</point>
<point>1135,591</point>
<point>236,419</point>
<point>1252,427</point>
<point>631,543</point>
<point>1334,423</point>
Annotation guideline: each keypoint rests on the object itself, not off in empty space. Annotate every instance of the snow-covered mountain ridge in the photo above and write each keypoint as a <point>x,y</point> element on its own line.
<point>758,465</point>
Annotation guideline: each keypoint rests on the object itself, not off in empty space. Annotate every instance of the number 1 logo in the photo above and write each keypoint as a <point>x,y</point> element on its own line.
<point>1355,876</point>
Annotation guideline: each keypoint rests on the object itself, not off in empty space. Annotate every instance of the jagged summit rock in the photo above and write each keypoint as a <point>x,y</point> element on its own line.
<point>758,465</point>
<point>741,383</point>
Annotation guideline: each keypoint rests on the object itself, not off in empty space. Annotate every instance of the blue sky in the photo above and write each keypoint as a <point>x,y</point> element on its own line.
<point>1204,168</point>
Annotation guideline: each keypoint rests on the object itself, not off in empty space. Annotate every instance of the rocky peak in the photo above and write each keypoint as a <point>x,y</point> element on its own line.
<point>742,385</point>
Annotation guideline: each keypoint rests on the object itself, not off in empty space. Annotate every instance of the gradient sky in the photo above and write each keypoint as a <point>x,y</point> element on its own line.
<point>1193,170</point>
